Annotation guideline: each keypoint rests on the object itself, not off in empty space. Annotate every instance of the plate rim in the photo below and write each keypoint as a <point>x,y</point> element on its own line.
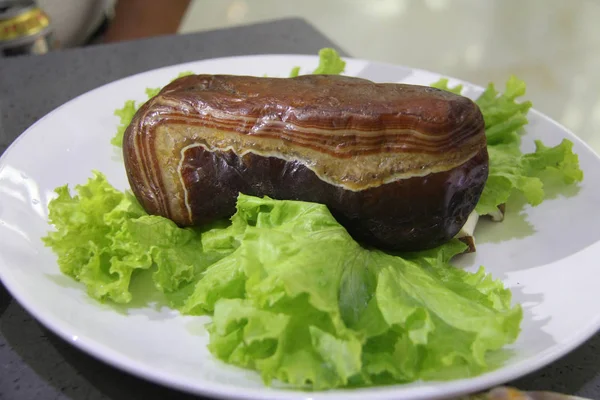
<point>106,354</point>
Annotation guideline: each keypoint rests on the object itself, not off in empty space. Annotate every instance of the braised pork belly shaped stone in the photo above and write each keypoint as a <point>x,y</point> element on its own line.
<point>400,166</point>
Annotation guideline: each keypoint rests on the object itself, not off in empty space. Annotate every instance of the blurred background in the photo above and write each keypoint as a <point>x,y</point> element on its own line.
<point>554,45</point>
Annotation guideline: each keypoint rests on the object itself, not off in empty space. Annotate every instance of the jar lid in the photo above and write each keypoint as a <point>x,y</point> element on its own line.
<point>22,22</point>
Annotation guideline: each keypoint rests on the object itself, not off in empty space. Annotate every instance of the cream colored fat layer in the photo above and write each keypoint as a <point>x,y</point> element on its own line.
<point>358,173</point>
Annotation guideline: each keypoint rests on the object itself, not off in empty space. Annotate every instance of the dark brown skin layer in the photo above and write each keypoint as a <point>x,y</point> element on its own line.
<point>407,215</point>
<point>400,166</point>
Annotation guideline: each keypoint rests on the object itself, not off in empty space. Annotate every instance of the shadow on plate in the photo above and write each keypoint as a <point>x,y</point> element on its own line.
<point>535,325</point>
<point>549,245</point>
<point>146,300</point>
<point>515,224</point>
<point>65,281</point>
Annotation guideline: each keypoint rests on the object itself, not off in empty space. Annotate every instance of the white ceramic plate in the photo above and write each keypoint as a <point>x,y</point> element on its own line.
<point>547,255</point>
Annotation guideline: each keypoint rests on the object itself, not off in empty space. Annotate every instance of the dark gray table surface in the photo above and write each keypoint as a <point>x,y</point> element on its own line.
<point>35,363</point>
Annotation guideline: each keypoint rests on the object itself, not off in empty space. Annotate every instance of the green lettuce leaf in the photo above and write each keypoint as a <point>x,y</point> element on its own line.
<point>86,240</point>
<point>103,237</point>
<point>330,63</point>
<point>300,301</point>
<point>294,72</point>
<point>510,170</point>
<point>292,295</point>
<point>503,115</point>
<point>125,115</point>
<point>151,92</point>
<point>443,85</point>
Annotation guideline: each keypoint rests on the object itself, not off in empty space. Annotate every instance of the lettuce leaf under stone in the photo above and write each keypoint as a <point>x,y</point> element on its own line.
<point>292,295</point>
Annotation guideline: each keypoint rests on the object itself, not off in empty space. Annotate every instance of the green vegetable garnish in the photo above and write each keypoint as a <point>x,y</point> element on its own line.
<point>291,293</point>
<point>125,115</point>
<point>330,63</point>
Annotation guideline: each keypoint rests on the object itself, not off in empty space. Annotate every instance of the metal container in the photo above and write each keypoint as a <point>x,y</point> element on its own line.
<point>24,28</point>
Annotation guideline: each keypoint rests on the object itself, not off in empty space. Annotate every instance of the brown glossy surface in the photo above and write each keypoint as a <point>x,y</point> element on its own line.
<point>399,166</point>
<point>334,103</point>
<point>409,214</point>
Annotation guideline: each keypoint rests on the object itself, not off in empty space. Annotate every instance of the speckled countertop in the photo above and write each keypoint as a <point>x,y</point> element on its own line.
<point>36,364</point>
